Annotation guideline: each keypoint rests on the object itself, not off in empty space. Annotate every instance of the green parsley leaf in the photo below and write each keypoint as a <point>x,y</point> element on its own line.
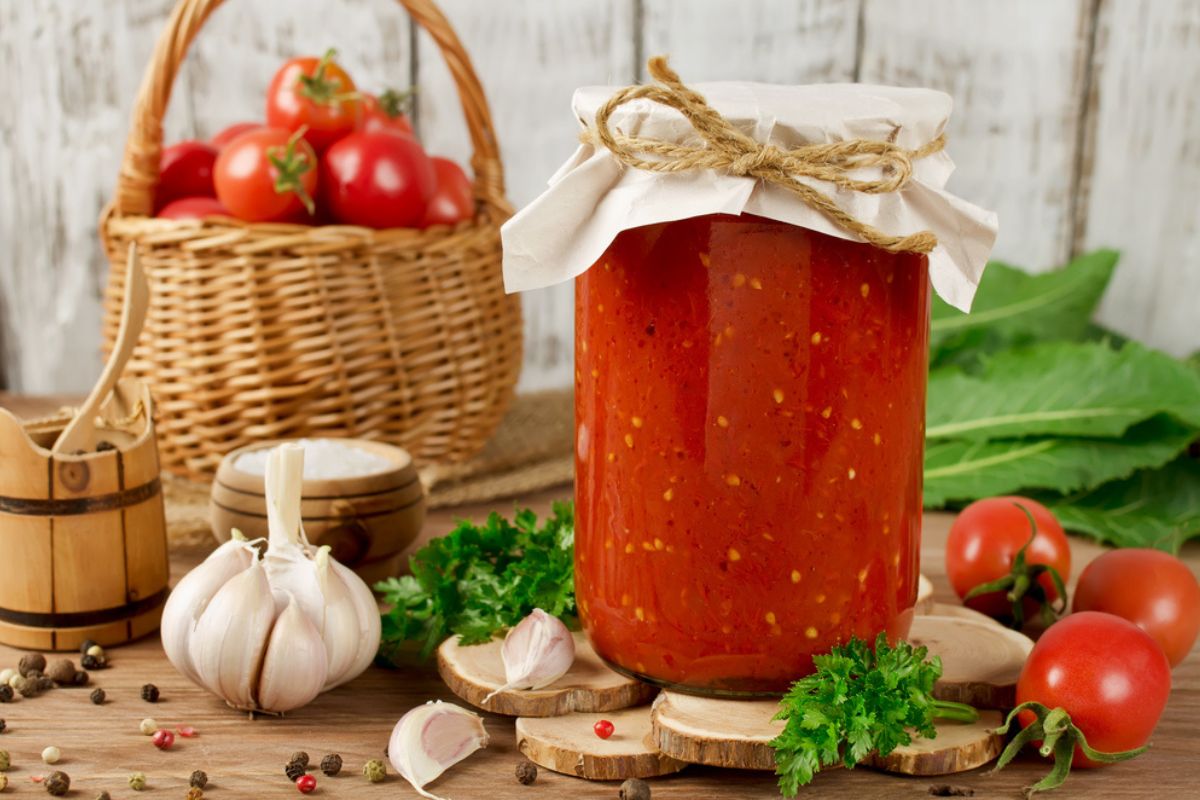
<point>860,700</point>
<point>481,579</point>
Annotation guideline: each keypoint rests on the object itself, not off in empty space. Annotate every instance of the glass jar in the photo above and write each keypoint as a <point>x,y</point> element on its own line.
<point>750,404</point>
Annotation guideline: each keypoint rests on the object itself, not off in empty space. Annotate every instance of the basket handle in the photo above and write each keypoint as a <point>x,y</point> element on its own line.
<point>138,177</point>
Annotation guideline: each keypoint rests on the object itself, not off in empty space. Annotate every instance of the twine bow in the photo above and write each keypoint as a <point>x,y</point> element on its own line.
<point>728,149</point>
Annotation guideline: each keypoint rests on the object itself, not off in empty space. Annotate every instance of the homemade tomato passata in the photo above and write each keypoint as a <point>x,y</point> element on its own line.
<point>750,403</point>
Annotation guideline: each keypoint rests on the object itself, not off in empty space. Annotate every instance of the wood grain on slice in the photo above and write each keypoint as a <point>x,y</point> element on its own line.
<point>924,595</point>
<point>955,610</point>
<point>474,671</point>
<point>716,732</point>
<point>981,661</point>
<point>957,747</point>
<point>568,745</point>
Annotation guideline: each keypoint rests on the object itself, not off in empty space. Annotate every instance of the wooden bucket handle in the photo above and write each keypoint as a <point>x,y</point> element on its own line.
<point>138,178</point>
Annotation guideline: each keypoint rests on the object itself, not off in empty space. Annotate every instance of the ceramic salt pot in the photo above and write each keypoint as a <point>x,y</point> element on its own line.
<point>361,498</point>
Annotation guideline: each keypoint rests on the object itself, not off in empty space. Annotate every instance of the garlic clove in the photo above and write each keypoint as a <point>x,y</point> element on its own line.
<point>430,739</point>
<point>536,652</point>
<point>230,638</point>
<point>358,614</point>
<point>294,667</point>
<point>192,595</point>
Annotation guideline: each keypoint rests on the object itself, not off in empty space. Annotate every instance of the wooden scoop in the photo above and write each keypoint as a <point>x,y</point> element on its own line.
<point>80,434</point>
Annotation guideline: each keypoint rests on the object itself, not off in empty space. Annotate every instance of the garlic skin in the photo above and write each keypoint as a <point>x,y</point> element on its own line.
<point>269,633</point>
<point>536,652</point>
<point>430,739</point>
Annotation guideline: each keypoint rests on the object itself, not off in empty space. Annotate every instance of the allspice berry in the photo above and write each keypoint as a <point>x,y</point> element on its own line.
<point>199,779</point>
<point>43,683</point>
<point>526,772</point>
<point>331,764</point>
<point>634,789</point>
<point>62,672</point>
<point>104,796</point>
<point>58,783</point>
<point>150,693</point>
<point>98,696</point>
<point>31,662</point>
<point>26,687</point>
<point>3,725</point>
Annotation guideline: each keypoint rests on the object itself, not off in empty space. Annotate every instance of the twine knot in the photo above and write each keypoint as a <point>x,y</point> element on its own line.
<point>726,148</point>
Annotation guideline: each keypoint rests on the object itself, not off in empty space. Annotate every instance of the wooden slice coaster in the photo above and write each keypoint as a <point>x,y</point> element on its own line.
<point>716,732</point>
<point>924,595</point>
<point>958,747</point>
<point>981,661</point>
<point>474,671</point>
<point>955,610</point>
<point>567,744</point>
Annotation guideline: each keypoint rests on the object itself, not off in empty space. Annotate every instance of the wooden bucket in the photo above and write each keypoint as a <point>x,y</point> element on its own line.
<point>367,521</point>
<point>82,537</point>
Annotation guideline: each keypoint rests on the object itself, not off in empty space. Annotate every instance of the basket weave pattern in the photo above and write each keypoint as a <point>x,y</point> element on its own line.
<point>266,331</point>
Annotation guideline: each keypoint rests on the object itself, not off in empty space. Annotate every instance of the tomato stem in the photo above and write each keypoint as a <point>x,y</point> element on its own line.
<point>318,87</point>
<point>394,103</point>
<point>1023,583</point>
<point>955,712</point>
<point>1059,736</point>
<point>290,165</point>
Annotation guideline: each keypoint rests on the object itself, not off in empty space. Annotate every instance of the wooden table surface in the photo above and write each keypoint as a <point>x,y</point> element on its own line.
<point>101,745</point>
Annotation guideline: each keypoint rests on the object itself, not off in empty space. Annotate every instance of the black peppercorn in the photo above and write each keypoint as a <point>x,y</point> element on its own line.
<point>104,796</point>
<point>3,726</point>
<point>634,789</point>
<point>331,764</point>
<point>86,645</point>
<point>58,783</point>
<point>294,770</point>
<point>81,678</point>
<point>98,696</point>
<point>526,772</point>
<point>150,693</point>
<point>104,446</point>
<point>6,694</point>
<point>199,779</point>
<point>299,757</point>
<point>91,662</point>
<point>31,662</point>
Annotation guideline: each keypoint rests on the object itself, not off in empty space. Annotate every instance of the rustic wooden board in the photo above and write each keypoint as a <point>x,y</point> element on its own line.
<point>1142,163</point>
<point>568,745</point>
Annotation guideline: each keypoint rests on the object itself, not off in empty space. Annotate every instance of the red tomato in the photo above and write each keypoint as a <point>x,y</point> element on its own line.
<point>384,112</point>
<point>1106,672</point>
<point>185,170</point>
<point>193,208</point>
<point>454,198</point>
<point>313,93</point>
<point>1152,589</point>
<point>267,175</point>
<point>983,543</point>
<point>230,133</point>
<point>379,180</point>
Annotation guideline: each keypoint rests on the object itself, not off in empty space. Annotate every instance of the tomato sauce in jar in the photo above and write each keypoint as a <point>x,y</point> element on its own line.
<point>750,404</point>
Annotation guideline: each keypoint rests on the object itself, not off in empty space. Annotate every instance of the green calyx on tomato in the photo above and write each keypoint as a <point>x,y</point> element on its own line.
<point>1059,737</point>
<point>319,87</point>
<point>290,165</point>
<point>394,103</point>
<point>1023,583</point>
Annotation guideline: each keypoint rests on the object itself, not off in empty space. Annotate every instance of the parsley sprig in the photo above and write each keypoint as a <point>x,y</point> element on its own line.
<point>480,579</point>
<point>858,701</point>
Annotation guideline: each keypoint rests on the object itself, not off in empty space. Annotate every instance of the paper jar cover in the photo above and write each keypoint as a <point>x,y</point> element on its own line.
<point>593,197</point>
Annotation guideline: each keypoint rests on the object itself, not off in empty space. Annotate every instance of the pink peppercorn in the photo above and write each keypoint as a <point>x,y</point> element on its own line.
<point>603,729</point>
<point>163,739</point>
<point>186,731</point>
<point>306,783</point>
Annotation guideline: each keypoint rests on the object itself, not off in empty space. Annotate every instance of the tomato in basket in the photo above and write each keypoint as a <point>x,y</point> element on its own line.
<point>378,180</point>
<point>193,208</point>
<point>454,199</point>
<point>315,94</point>
<point>385,112</point>
<point>268,175</point>
<point>228,134</point>
<point>185,169</point>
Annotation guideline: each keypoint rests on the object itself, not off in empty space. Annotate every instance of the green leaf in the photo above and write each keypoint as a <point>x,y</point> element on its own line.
<point>1013,308</point>
<point>959,470</point>
<point>1153,508</point>
<point>1062,389</point>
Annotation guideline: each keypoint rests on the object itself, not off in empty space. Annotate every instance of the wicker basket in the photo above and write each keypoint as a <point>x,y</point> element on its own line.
<point>269,331</point>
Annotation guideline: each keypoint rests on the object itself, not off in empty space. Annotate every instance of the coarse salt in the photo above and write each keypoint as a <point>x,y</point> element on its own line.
<point>324,459</point>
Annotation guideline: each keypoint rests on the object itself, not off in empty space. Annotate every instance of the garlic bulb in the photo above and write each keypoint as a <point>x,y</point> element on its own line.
<point>537,651</point>
<point>430,739</point>
<point>269,633</point>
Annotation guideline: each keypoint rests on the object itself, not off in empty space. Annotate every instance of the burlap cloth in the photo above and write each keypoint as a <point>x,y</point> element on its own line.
<point>531,450</point>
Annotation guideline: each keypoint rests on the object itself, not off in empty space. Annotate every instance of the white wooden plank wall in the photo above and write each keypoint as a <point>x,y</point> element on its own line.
<point>1078,120</point>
